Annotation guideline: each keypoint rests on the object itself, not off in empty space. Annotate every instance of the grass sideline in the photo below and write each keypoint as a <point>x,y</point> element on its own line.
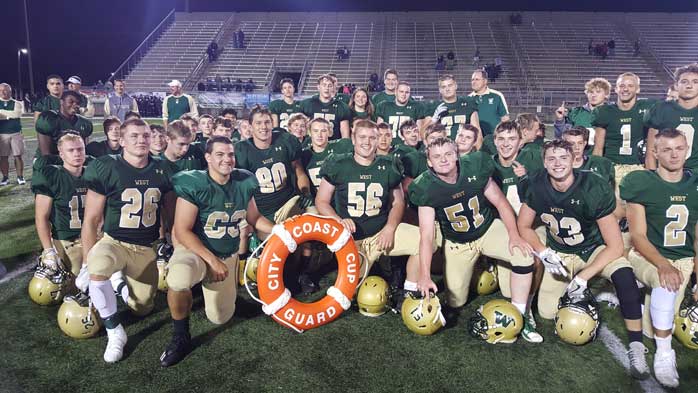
<point>29,131</point>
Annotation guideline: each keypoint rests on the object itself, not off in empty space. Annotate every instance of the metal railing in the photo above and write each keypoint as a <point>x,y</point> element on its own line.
<point>131,61</point>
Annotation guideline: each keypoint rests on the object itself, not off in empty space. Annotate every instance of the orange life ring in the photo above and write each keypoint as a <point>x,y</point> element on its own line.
<point>277,300</point>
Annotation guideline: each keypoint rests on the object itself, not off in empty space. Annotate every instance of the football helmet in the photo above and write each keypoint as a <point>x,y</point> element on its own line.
<point>497,321</point>
<point>77,318</point>
<point>487,283</point>
<point>373,296</point>
<point>577,320</point>
<point>48,287</point>
<point>251,269</point>
<point>686,323</point>
<point>422,316</point>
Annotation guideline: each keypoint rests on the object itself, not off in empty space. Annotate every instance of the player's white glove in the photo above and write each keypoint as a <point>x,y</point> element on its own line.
<point>83,279</point>
<point>438,112</point>
<point>51,260</point>
<point>576,288</point>
<point>119,285</point>
<point>552,262</point>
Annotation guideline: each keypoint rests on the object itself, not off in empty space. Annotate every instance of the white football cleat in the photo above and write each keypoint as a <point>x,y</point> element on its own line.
<point>665,369</point>
<point>115,346</point>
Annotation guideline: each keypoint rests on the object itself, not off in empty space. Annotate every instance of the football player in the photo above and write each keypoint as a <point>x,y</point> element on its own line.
<point>314,156</point>
<point>661,214</point>
<point>415,163</point>
<point>491,104</point>
<point>51,123</point>
<point>324,105</point>
<point>360,105</point>
<point>179,154</point>
<point>274,158</point>
<point>223,127</point>
<point>129,193</point>
<point>408,140</point>
<point>681,114</point>
<point>583,240</point>
<point>459,194</point>
<point>390,79</point>
<point>597,91</point>
<point>282,109</point>
<point>177,104</point>
<point>110,145</point>
<point>193,125</point>
<point>206,127</point>
<point>298,126</point>
<point>466,138</point>
<point>211,205</point>
<point>11,138</point>
<point>452,110</point>
<point>399,110</point>
<point>51,102</point>
<point>577,136</point>
<point>244,130</point>
<point>385,139</point>
<point>87,108</point>
<point>158,139</point>
<point>362,191</point>
<point>59,205</point>
<point>338,96</point>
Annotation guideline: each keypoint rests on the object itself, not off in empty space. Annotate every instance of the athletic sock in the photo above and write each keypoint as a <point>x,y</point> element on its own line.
<point>635,336</point>
<point>181,326</point>
<point>521,307</point>
<point>410,286</point>
<point>663,343</point>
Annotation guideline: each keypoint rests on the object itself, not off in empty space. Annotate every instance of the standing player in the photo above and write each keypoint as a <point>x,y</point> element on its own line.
<point>583,240</point>
<point>51,123</point>
<point>681,114</point>
<point>179,154</point>
<point>577,136</point>
<point>597,91</point>
<point>466,138</point>
<point>453,110</point>
<point>51,102</point>
<point>110,145</point>
<point>362,191</point>
<point>11,138</point>
<point>313,157</point>
<point>118,103</point>
<point>60,204</point>
<point>129,193</point>
<point>87,108</point>
<point>661,211</point>
<point>281,110</point>
<point>211,206</point>
<point>390,78</point>
<point>460,195</point>
<point>491,104</point>
<point>324,105</point>
<point>177,104</point>
<point>400,110</point>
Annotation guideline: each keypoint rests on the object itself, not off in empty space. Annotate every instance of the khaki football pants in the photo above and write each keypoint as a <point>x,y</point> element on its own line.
<point>553,287</point>
<point>504,271</point>
<point>70,252</point>
<point>289,209</point>
<point>406,242</point>
<point>623,169</point>
<point>186,269</point>
<point>460,259</point>
<point>109,256</point>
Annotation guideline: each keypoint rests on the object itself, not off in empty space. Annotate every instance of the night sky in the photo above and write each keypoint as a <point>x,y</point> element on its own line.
<point>91,38</point>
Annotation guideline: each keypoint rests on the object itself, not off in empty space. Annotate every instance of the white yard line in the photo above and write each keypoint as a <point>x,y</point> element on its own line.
<point>17,272</point>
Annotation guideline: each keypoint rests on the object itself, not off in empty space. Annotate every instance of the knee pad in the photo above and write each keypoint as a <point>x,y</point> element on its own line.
<point>628,293</point>
<point>103,298</point>
<point>522,269</point>
<point>662,308</point>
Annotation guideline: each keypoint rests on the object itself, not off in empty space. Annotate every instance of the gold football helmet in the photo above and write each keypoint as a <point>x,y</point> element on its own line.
<point>373,296</point>
<point>576,322</point>
<point>497,321</point>
<point>686,323</point>
<point>77,318</point>
<point>48,287</point>
<point>487,283</point>
<point>422,316</point>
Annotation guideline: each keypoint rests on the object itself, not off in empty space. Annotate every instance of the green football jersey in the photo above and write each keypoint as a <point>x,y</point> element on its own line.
<point>462,210</point>
<point>382,97</point>
<point>334,111</point>
<point>52,124</point>
<point>345,98</point>
<point>571,216</point>
<point>273,170</point>
<point>312,161</point>
<point>400,150</point>
<point>458,112</point>
<point>12,110</point>
<point>47,103</point>
<point>192,160</point>
<point>602,166</point>
<point>221,207</point>
<point>488,146</point>
<point>101,148</point>
<point>415,163</point>
<point>68,193</point>
<point>671,210</point>
<point>395,115</point>
<point>491,107</point>
<point>671,115</point>
<point>624,130</point>
<point>362,193</point>
<point>508,182</point>
<point>284,111</point>
<point>134,196</point>
<point>581,116</point>
<point>360,115</point>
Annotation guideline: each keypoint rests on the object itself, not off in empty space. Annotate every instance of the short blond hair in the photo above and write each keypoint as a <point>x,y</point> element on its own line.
<point>598,83</point>
<point>71,136</point>
<point>629,75</point>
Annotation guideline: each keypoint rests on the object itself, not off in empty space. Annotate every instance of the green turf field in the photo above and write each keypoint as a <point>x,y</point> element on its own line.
<point>252,353</point>
<point>29,131</point>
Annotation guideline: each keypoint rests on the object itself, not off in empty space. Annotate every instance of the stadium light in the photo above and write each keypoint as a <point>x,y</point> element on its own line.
<point>24,51</point>
<point>20,52</point>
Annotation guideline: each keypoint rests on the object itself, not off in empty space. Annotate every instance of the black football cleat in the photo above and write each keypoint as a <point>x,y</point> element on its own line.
<point>176,350</point>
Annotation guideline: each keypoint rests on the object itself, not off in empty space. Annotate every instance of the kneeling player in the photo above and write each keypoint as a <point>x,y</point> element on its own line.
<point>459,194</point>
<point>211,205</point>
<point>583,238</point>
<point>662,230</point>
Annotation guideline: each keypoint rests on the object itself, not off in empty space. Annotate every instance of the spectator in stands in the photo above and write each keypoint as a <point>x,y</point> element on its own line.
<point>87,108</point>
<point>177,104</point>
<point>219,83</point>
<point>612,47</point>
<point>239,37</point>
<point>450,60</point>
<point>11,138</point>
<point>238,85</point>
<point>476,57</point>
<point>636,47</point>
<point>212,51</point>
<point>249,86</point>
<point>590,48</point>
<point>440,63</point>
<point>491,104</point>
<point>119,102</point>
